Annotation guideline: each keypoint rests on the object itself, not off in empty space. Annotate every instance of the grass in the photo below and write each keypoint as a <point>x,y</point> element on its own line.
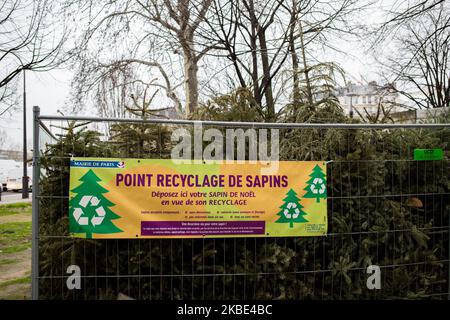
<point>7,261</point>
<point>15,236</point>
<point>16,248</point>
<point>16,289</point>
<point>14,233</point>
<point>15,208</point>
<point>5,284</point>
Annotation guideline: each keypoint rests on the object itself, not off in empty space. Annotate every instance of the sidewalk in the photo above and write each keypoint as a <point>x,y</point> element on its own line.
<point>8,198</point>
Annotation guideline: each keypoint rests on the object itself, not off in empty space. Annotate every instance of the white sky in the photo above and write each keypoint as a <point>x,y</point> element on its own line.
<point>50,90</point>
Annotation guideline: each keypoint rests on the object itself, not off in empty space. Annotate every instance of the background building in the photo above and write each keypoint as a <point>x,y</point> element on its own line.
<point>360,100</point>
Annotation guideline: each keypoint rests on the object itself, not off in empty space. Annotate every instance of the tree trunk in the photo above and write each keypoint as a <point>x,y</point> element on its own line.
<point>190,67</point>
<point>305,67</point>
<point>296,96</point>
<point>254,48</point>
<point>190,82</point>
<point>267,81</point>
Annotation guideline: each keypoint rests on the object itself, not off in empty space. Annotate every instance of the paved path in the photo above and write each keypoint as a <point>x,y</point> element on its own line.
<point>13,197</point>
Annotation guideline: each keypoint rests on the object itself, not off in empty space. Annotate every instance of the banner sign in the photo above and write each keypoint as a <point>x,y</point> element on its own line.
<point>156,198</point>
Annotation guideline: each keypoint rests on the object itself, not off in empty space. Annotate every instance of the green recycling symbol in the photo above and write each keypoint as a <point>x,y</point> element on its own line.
<point>318,186</point>
<point>96,219</point>
<point>287,212</point>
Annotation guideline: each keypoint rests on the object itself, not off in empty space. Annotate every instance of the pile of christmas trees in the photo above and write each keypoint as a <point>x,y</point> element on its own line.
<point>372,220</point>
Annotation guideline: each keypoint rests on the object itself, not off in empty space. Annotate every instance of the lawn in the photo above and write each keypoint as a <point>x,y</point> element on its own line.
<point>15,251</point>
<point>15,208</point>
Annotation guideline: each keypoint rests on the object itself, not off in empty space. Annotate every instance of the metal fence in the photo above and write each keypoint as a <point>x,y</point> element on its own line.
<point>384,209</point>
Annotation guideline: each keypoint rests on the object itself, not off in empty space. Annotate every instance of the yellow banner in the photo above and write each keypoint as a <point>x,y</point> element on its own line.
<point>156,198</point>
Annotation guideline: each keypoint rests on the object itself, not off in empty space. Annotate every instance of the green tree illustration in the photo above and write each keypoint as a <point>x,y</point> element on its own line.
<point>291,210</point>
<point>89,210</point>
<point>317,185</point>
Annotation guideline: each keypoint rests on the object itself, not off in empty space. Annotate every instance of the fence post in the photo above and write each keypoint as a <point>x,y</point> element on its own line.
<point>35,208</point>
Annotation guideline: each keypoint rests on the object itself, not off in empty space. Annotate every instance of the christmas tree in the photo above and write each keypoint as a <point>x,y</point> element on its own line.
<point>317,185</point>
<point>291,210</point>
<point>89,210</point>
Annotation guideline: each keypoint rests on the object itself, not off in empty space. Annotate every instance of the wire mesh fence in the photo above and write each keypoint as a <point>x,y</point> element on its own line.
<point>384,209</point>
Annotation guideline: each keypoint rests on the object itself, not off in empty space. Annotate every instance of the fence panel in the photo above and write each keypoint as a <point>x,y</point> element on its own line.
<point>384,209</point>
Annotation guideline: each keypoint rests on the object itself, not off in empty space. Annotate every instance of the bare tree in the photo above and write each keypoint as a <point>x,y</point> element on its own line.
<point>114,91</point>
<point>27,42</point>
<point>158,31</point>
<point>262,40</point>
<point>403,12</point>
<point>240,29</point>
<point>420,64</point>
<point>213,46</point>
